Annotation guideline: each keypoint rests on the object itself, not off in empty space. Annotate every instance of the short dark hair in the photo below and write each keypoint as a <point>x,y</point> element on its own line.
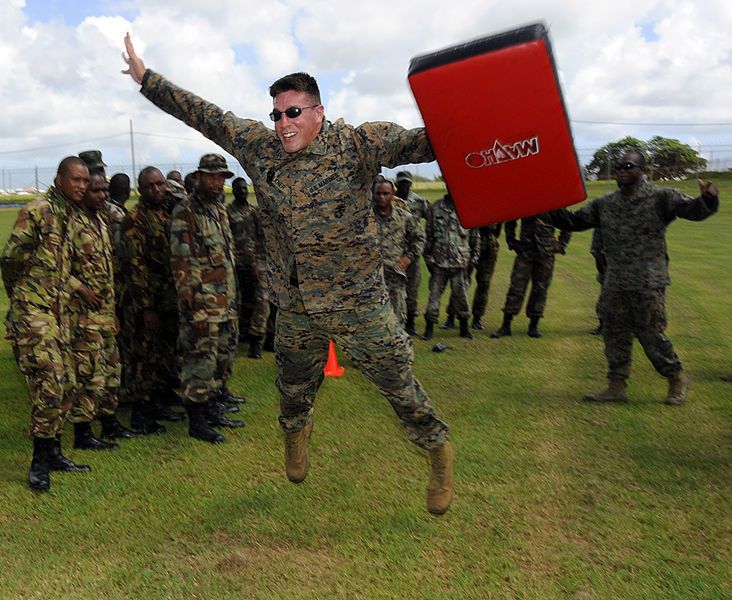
<point>296,82</point>
<point>378,180</point>
<point>642,161</point>
<point>119,185</point>
<point>144,173</point>
<point>65,164</point>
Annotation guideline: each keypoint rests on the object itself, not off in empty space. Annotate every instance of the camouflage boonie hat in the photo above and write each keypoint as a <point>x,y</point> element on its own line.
<point>214,163</point>
<point>175,189</point>
<point>92,159</point>
<point>404,175</point>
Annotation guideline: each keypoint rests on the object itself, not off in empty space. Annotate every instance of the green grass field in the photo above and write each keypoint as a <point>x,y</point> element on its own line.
<point>554,499</point>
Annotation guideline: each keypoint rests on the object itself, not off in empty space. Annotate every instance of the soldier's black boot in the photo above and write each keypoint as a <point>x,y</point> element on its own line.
<point>198,426</point>
<point>268,343</point>
<point>84,438</point>
<point>58,462</point>
<point>143,421</point>
<point>534,327</point>
<point>449,322</point>
<point>112,429</point>
<point>465,330</point>
<point>409,324</point>
<point>38,478</point>
<point>215,415</point>
<point>429,331</point>
<point>254,350</point>
<point>226,396</point>
<point>505,329</point>
<point>159,409</point>
<point>478,324</point>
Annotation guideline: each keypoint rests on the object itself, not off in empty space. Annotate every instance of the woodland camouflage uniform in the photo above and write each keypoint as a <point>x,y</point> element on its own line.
<point>150,356</point>
<point>202,262</point>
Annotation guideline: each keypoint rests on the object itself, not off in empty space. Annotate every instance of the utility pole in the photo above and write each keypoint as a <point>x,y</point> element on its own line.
<point>132,151</point>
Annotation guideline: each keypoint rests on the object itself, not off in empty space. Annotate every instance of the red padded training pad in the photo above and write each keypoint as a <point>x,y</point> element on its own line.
<point>495,116</point>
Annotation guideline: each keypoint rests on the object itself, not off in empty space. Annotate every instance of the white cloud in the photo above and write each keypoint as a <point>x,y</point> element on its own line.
<point>62,84</point>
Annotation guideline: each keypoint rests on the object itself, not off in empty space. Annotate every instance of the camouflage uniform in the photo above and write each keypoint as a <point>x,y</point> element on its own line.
<point>150,356</point>
<point>202,261</point>
<point>418,206</point>
<point>487,257</point>
<point>601,264</point>
<point>248,237</point>
<point>323,265</point>
<point>400,234</point>
<point>35,266</point>
<point>94,355</point>
<point>450,248</point>
<point>535,250</point>
<point>634,288</point>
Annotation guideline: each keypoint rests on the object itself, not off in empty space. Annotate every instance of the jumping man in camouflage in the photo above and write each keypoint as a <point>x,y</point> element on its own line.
<point>633,221</point>
<point>35,268</point>
<point>312,178</point>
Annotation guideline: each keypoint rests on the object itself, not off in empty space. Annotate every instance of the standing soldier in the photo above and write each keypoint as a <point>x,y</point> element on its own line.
<point>250,258</point>
<point>90,316</point>
<point>418,206</point>
<point>401,239</point>
<point>449,251</point>
<point>202,261</point>
<point>633,220</point>
<point>484,271</point>
<point>35,268</point>
<point>535,250</point>
<point>149,312</point>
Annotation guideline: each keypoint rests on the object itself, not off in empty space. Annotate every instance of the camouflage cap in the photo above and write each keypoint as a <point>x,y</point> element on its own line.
<point>214,163</point>
<point>404,176</point>
<point>92,159</point>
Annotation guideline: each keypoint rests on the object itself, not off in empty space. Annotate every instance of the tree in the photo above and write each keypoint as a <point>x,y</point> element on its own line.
<point>604,160</point>
<point>669,158</point>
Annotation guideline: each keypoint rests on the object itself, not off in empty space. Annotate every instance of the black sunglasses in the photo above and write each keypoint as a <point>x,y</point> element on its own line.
<point>292,113</point>
<point>626,166</point>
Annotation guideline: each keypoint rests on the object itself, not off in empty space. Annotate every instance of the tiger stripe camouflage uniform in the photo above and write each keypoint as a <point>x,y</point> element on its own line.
<point>93,355</point>
<point>202,261</point>
<point>634,287</point>
<point>35,266</point>
<point>246,231</point>
<point>151,360</point>
<point>400,234</point>
<point>324,268</point>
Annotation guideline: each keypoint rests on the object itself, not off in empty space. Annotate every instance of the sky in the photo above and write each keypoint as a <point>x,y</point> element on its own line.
<point>659,67</point>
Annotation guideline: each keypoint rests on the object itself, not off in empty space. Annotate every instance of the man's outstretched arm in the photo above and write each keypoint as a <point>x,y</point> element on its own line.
<point>135,66</point>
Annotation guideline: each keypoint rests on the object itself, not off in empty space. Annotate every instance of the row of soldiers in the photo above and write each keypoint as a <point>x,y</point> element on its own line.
<point>106,303</point>
<point>451,253</point>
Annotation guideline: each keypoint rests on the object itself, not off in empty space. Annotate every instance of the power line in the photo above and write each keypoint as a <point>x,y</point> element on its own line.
<point>653,124</point>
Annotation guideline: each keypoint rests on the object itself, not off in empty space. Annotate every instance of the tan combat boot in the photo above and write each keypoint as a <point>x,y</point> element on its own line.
<point>615,392</point>
<point>677,386</point>
<point>439,488</point>
<point>297,461</point>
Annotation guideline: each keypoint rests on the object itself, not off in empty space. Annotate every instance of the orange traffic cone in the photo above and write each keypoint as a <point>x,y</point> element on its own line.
<point>331,368</point>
